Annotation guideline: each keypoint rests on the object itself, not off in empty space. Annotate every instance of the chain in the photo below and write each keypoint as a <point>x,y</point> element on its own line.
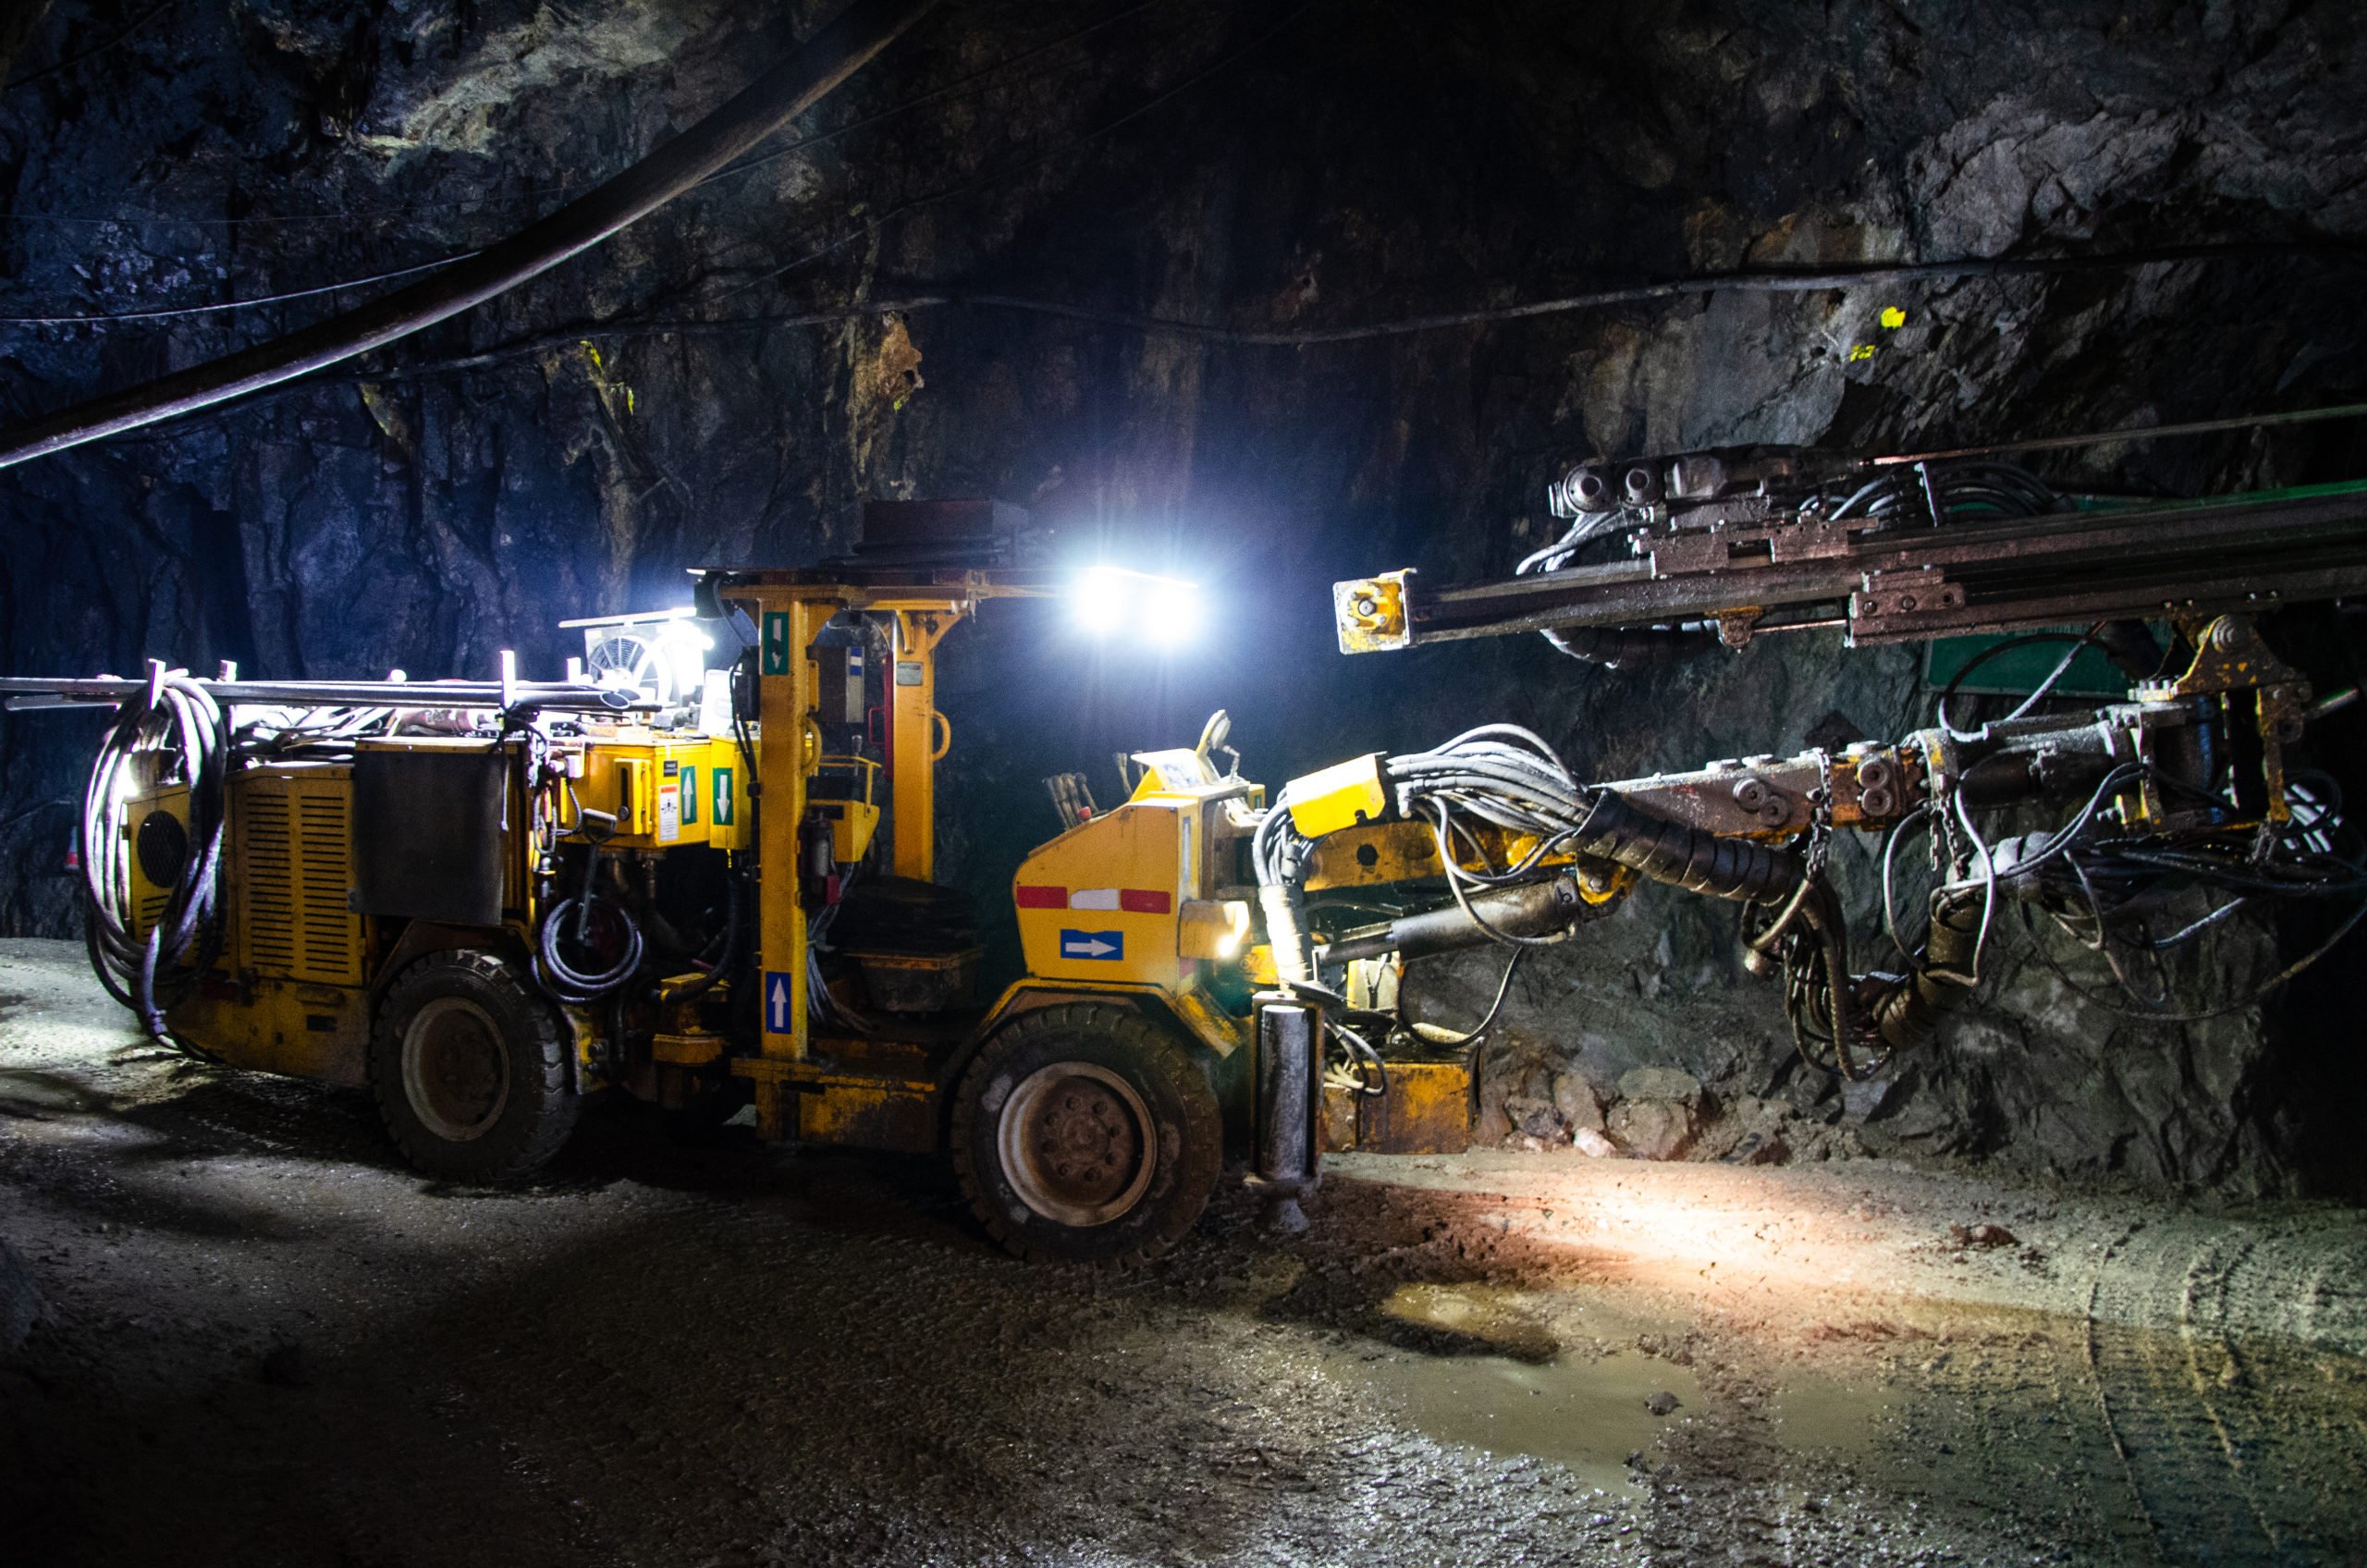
<point>1820,816</point>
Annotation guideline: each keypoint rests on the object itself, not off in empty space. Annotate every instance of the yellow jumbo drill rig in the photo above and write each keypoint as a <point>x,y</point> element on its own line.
<point>700,870</point>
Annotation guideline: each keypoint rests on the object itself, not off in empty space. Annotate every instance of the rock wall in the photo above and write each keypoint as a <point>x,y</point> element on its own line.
<point>670,399</point>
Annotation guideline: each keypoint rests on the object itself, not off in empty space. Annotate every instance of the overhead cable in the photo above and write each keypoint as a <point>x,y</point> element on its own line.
<point>248,304</point>
<point>810,74</point>
<point>347,215</point>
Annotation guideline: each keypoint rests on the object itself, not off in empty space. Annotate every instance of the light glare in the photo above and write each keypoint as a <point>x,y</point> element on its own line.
<point>1171,611</point>
<point>1100,599</point>
<point>1164,611</point>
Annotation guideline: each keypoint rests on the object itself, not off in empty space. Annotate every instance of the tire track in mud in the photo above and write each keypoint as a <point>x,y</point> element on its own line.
<point>2224,1463</point>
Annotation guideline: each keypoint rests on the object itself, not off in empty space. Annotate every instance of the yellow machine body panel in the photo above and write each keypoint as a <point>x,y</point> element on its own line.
<point>1339,797</point>
<point>667,791</point>
<point>147,896</point>
<point>1103,902</point>
<point>855,1110</point>
<point>1427,1109</point>
<point>276,1026</point>
<point>288,993</point>
<point>291,873</point>
<point>845,790</point>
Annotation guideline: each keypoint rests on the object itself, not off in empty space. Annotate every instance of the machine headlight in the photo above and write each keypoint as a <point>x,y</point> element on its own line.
<point>1164,611</point>
<point>1101,598</point>
<point>1171,611</point>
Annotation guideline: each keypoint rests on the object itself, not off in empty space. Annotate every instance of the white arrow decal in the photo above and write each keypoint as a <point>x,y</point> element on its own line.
<point>1103,944</point>
<point>780,1005</point>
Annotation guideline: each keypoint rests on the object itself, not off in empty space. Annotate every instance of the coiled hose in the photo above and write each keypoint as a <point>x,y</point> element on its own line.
<point>150,970</point>
<point>557,976</point>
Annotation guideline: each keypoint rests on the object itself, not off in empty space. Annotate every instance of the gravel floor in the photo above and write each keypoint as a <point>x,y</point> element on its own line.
<point>261,1341</point>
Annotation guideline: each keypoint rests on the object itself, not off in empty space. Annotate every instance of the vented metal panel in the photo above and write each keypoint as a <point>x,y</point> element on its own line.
<point>293,849</point>
<point>267,876</point>
<point>329,936</point>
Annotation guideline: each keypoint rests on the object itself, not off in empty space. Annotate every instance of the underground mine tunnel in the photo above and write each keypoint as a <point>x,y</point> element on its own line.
<point>1123,781</point>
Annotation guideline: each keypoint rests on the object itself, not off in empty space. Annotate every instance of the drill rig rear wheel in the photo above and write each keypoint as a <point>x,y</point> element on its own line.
<point>470,1069</point>
<point>1086,1133</point>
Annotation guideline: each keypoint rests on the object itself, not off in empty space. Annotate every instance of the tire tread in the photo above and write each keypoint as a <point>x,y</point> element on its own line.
<point>545,1056</point>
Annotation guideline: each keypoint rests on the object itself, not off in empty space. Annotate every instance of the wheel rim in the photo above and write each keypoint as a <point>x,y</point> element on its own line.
<point>456,1072</point>
<point>1077,1142</point>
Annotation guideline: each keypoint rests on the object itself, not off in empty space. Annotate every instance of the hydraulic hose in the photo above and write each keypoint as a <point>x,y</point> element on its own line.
<point>1686,857</point>
<point>147,972</point>
<point>1626,647</point>
<point>1909,1012</point>
<point>1530,910</point>
<point>563,981</point>
<point>729,959</point>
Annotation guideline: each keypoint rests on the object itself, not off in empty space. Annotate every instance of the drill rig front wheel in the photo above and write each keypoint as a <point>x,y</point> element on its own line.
<point>470,1069</point>
<point>1086,1133</point>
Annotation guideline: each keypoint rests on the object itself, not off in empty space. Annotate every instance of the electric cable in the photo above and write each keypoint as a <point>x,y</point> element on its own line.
<point>2259,994</point>
<point>347,215</point>
<point>1023,165</point>
<point>2079,640</point>
<point>120,35</point>
<point>108,318</point>
<point>806,75</point>
<point>226,305</point>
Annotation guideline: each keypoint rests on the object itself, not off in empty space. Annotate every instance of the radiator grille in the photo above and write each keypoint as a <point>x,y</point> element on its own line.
<point>294,865</point>
<point>267,871</point>
<point>324,874</point>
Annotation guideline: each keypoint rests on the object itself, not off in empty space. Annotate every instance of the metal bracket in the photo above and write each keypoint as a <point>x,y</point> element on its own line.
<point>1370,613</point>
<point>2230,659</point>
<point>1890,602</point>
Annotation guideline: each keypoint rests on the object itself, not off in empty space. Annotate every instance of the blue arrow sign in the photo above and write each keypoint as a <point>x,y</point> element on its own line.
<point>1103,944</point>
<point>781,997</point>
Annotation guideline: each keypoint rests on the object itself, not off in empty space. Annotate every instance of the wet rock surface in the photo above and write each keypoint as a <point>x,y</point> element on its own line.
<point>712,388</point>
<point>707,1352</point>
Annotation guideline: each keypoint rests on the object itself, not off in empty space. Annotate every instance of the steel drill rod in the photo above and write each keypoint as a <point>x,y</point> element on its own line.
<point>340,693</point>
<point>808,76</point>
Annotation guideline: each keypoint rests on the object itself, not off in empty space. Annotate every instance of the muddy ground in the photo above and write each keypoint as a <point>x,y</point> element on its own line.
<point>262,1341</point>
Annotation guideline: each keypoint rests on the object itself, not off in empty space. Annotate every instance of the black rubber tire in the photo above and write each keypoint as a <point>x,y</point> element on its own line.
<point>1168,1082</point>
<point>534,1111</point>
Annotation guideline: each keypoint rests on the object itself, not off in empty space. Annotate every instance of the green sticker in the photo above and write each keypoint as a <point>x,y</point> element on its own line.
<point>776,642</point>
<point>722,796</point>
<point>690,796</point>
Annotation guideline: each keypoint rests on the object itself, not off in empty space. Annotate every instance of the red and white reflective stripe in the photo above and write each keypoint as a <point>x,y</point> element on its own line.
<point>1132,901</point>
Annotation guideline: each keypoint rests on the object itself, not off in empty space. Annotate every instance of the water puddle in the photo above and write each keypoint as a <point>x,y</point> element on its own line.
<point>1583,1398</point>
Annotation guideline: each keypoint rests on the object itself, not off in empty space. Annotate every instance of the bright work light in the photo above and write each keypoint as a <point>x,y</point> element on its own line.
<point>1170,611</point>
<point>1100,599</point>
<point>1166,611</point>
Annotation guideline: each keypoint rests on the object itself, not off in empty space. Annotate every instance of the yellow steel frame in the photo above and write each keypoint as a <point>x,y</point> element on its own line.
<point>912,751</point>
<point>790,608</point>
